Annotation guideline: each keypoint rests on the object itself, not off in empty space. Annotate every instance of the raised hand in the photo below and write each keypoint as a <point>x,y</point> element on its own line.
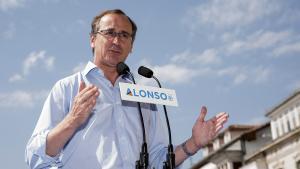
<point>81,109</point>
<point>83,103</point>
<point>204,131</point>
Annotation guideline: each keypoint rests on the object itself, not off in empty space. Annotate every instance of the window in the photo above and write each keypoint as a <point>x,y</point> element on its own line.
<point>210,148</point>
<point>221,140</point>
<point>237,165</point>
<point>289,125</point>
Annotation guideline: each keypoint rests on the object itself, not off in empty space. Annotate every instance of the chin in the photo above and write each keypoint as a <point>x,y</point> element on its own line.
<point>111,64</point>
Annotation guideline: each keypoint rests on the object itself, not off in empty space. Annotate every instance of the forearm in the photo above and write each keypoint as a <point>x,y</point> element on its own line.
<point>180,155</point>
<point>59,136</point>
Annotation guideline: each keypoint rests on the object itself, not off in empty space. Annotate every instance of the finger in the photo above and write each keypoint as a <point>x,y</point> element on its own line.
<point>88,106</point>
<point>221,114</point>
<point>202,114</point>
<point>218,128</point>
<point>87,88</point>
<point>221,121</point>
<point>89,93</point>
<point>222,118</point>
<point>213,120</point>
<point>212,133</point>
<point>81,86</point>
<point>91,105</point>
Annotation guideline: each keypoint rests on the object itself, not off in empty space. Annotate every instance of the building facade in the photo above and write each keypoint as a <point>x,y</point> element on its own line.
<point>273,145</point>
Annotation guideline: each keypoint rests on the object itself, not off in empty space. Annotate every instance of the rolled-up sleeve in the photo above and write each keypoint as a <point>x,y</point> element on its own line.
<point>36,156</point>
<point>54,110</point>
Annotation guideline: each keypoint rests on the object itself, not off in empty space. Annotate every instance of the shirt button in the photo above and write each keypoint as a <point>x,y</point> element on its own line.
<point>53,165</point>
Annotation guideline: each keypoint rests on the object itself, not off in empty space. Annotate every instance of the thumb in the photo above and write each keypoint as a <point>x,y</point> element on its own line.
<point>202,114</point>
<point>81,86</point>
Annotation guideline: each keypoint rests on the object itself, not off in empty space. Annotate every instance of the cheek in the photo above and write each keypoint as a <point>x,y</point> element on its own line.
<point>100,46</point>
<point>129,48</point>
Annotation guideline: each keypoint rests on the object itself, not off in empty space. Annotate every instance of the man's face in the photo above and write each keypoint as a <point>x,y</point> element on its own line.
<point>110,50</point>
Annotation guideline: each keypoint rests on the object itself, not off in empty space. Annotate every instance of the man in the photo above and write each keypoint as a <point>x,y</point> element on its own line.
<point>85,124</point>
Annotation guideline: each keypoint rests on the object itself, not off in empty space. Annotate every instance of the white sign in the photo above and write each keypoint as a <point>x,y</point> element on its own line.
<point>148,94</point>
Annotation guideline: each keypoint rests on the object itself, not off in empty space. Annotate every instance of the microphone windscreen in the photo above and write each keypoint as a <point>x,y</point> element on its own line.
<point>146,72</point>
<point>122,68</point>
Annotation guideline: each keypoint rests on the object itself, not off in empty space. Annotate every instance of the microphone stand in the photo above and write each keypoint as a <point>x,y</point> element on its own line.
<point>170,157</point>
<point>143,162</point>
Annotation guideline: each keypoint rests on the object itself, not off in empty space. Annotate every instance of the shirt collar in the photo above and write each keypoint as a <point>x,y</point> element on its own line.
<point>91,66</point>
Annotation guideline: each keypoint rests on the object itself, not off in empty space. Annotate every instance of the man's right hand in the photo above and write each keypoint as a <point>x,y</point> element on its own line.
<point>83,104</point>
<point>81,109</point>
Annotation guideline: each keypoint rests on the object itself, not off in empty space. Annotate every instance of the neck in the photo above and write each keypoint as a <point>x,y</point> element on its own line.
<point>110,72</point>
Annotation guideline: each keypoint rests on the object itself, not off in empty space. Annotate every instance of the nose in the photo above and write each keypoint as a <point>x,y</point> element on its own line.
<point>116,39</point>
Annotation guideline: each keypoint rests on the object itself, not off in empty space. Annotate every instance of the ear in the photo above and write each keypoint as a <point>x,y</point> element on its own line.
<point>92,41</point>
<point>131,48</point>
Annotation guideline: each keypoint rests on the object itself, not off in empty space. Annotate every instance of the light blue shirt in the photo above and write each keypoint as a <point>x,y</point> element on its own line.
<point>112,136</point>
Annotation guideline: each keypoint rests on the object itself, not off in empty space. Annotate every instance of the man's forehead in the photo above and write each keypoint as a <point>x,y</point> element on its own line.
<point>115,21</point>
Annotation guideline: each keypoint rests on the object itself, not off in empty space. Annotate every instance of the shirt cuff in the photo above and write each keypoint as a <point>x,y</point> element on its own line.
<point>39,157</point>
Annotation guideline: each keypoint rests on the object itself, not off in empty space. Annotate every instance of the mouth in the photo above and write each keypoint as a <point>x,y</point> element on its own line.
<point>115,51</point>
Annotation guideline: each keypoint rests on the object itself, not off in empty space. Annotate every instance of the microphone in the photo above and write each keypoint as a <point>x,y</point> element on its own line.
<point>142,163</point>
<point>122,68</point>
<point>170,158</point>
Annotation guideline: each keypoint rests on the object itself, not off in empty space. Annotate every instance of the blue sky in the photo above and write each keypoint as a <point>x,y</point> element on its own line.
<point>241,57</point>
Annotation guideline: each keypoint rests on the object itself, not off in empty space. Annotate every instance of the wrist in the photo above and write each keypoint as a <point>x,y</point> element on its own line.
<point>189,147</point>
<point>70,122</point>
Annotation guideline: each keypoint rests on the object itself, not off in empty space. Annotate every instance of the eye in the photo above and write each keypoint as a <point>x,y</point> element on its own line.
<point>125,35</point>
<point>109,33</point>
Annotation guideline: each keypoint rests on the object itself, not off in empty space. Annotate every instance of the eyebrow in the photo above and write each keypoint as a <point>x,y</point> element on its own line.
<point>113,29</point>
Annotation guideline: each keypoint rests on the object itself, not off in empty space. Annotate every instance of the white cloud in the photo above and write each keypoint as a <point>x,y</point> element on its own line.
<point>224,13</point>
<point>37,58</point>
<point>245,74</point>
<point>237,73</point>
<point>209,56</point>
<point>267,39</point>
<point>239,78</point>
<point>21,99</point>
<point>228,71</point>
<point>261,74</point>
<point>181,57</point>
<point>8,4</point>
<point>34,59</point>
<point>259,40</point>
<point>183,67</point>
<point>49,63</point>
<point>287,49</point>
<point>174,74</point>
<point>16,77</point>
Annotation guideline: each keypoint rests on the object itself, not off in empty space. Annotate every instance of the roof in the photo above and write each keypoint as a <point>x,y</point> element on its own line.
<point>278,141</point>
<point>235,127</point>
<point>223,147</point>
<point>297,92</point>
